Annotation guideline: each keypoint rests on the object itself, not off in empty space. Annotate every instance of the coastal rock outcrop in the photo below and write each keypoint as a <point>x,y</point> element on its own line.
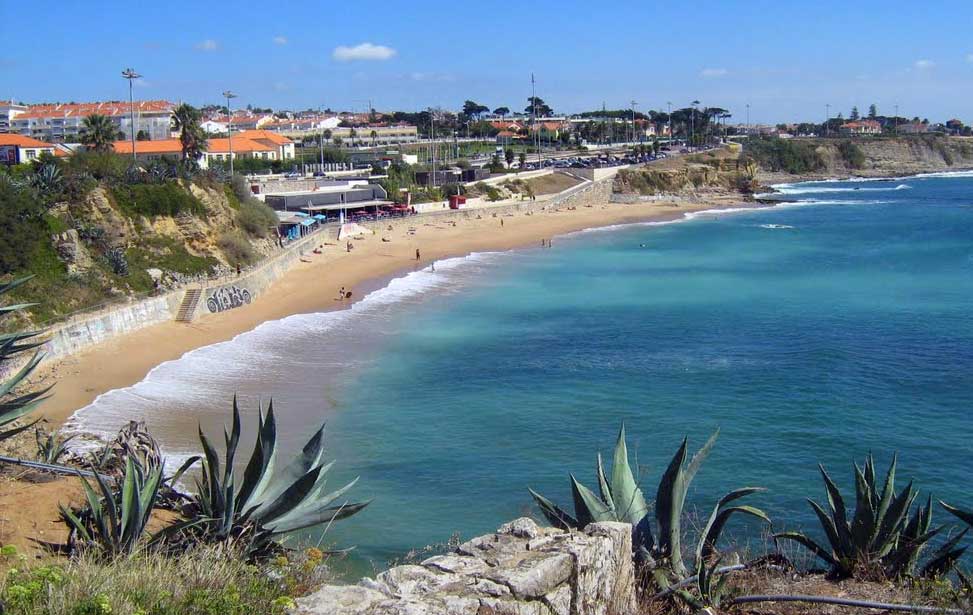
<point>521,569</point>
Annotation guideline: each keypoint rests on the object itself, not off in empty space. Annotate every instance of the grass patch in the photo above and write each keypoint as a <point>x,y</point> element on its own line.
<point>205,581</point>
<point>167,254</point>
<point>152,200</point>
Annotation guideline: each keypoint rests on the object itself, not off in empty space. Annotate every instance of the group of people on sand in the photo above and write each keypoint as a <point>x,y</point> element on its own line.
<point>545,243</point>
<point>343,294</point>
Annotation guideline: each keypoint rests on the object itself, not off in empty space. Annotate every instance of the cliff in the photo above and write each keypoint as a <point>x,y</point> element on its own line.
<point>783,161</point>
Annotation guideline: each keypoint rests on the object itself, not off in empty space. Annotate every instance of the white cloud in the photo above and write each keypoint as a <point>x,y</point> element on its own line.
<point>280,40</point>
<point>207,45</point>
<point>712,73</point>
<point>364,51</point>
<point>924,64</point>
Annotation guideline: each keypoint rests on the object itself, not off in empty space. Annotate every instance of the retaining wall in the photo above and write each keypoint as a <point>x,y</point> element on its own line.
<point>522,569</point>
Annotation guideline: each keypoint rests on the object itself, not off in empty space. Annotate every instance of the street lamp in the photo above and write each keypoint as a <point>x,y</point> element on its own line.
<point>131,75</point>
<point>827,119</point>
<point>669,121</point>
<point>748,120</point>
<point>321,137</point>
<point>229,127</point>
<point>633,120</point>
<point>693,126</point>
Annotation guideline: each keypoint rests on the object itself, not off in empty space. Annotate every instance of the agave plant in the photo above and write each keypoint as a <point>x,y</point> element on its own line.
<point>13,403</point>
<point>884,537</point>
<point>113,521</point>
<point>51,446</point>
<point>621,499</point>
<point>265,503</point>
<point>710,587</point>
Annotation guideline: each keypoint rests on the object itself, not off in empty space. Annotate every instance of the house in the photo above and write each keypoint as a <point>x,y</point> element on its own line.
<point>954,127</point>
<point>18,149</point>
<point>862,127</point>
<point>249,121</point>
<point>246,144</point>
<point>912,128</point>
<point>63,122</point>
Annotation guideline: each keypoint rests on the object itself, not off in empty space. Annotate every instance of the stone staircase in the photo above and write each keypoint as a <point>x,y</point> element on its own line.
<point>188,307</point>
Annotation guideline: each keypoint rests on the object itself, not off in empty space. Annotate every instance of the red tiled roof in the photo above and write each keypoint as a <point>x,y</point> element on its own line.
<point>240,145</point>
<point>111,108</point>
<point>161,146</point>
<point>22,141</point>
<point>267,135</point>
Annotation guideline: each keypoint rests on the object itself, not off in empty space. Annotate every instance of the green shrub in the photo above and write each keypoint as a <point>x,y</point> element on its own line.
<point>256,218</point>
<point>237,249</point>
<point>790,156</point>
<point>852,154</point>
<point>151,200</point>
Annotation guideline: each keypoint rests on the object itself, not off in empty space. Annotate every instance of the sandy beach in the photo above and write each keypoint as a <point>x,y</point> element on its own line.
<point>312,286</point>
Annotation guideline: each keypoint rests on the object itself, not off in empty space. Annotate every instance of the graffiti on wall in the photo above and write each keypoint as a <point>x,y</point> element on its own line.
<point>227,298</point>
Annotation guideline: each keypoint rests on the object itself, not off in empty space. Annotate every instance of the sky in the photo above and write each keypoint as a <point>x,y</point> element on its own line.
<point>787,59</point>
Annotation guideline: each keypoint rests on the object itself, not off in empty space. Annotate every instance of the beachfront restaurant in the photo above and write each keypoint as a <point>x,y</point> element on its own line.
<point>297,224</point>
<point>329,203</point>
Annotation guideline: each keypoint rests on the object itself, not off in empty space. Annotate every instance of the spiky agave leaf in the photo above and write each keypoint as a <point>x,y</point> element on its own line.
<point>556,515</point>
<point>671,498</point>
<point>626,496</point>
<point>966,516</point>
<point>721,515</point>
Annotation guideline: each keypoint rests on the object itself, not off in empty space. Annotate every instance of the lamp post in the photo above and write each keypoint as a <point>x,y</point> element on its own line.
<point>229,127</point>
<point>321,137</point>
<point>693,127</point>
<point>131,75</point>
<point>827,119</point>
<point>748,120</point>
<point>633,120</point>
<point>669,119</point>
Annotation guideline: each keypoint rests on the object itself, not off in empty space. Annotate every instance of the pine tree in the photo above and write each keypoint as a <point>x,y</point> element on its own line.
<point>854,114</point>
<point>872,111</point>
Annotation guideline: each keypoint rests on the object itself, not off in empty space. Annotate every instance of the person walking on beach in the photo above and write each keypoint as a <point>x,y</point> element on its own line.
<point>501,222</point>
<point>417,253</point>
<point>341,294</point>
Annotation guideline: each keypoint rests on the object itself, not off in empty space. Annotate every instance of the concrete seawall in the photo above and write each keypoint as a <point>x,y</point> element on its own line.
<point>218,295</point>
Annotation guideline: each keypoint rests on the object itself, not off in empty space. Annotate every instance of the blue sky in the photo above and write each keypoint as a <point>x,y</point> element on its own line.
<point>787,59</point>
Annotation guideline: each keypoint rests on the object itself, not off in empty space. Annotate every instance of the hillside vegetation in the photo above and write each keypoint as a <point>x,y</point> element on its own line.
<point>93,230</point>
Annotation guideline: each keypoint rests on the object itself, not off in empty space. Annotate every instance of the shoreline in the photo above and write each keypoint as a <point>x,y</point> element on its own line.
<point>311,286</point>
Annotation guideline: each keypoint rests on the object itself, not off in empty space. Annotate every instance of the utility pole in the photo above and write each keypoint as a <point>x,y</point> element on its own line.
<point>693,126</point>
<point>633,120</point>
<point>229,127</point>
<point>321,137</point>
<point>669,120</point>
<point>131,75</point>
<point>432,145</point>
<point>533,119</point>
<point>827,119</point>
<point>748,120</point>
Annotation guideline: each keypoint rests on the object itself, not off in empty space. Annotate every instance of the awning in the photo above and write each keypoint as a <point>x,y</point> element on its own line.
<point>301,214</point>
<point>320,217</point>
<point>308,222</point>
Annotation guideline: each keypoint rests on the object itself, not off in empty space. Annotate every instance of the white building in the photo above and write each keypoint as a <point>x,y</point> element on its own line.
<point>63,122</point>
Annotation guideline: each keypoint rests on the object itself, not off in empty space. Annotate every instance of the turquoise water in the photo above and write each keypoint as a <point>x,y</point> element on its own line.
<point>810,333</point>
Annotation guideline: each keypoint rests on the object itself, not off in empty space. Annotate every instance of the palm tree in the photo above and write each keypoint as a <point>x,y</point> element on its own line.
<point>374,135</point>
<point>98,133</point>
<point>186,119</point>
<point>352,135</point>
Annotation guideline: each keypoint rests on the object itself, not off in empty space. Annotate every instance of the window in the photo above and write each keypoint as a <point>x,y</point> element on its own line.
<point>31,154</point>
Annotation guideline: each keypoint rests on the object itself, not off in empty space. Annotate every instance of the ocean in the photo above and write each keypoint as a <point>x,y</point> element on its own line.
<point>813,332</point>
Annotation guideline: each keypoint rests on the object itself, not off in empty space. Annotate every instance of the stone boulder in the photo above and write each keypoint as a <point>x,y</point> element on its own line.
<point>521,569</point>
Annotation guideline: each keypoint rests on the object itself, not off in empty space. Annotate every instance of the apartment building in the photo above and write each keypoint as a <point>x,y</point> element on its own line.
<point>62,122</point>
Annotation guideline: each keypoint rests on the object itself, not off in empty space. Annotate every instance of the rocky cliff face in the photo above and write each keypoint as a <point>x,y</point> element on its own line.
<point>886,157</point>
<point>522,569</point>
